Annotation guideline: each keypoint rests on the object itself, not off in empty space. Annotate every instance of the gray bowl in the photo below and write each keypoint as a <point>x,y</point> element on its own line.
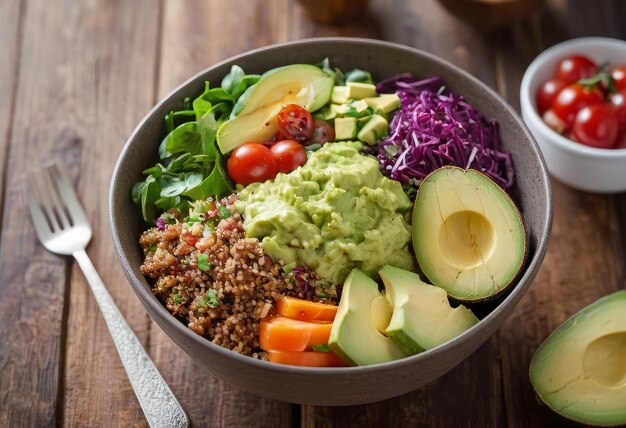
<point>335,386</point>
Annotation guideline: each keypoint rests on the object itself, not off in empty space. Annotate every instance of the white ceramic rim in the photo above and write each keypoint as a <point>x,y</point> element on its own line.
<point>527,99</point>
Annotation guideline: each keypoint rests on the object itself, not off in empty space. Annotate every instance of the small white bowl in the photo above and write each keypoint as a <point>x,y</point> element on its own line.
<point>583,167</point>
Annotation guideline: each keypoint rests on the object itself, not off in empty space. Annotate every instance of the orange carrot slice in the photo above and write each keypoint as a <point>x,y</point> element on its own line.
<point>306,358</point>
<point>285,334</point>
<point>305,310</point>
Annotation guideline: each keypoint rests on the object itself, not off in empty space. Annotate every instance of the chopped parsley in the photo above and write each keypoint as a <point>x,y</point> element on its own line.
<point>153,248</point>
<point>288,268</point>
<point>178,299</point>
<point>203,262</point>
<point>322,347</point>
<point>223,211</point>
<point>211,298</point>
<point>325,295</point>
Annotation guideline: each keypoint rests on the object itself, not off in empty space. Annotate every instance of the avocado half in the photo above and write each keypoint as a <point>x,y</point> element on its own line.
<point>579,371</point>
<point>468,236</point>
<point>254,115</point>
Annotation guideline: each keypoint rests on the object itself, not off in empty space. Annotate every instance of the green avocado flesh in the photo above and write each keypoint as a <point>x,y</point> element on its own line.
<point>335,213</point>
<point>254,115</point>
<point>422,316</point>
<point>580,369</point>
<point>354,335</point>
<point>468,236</point>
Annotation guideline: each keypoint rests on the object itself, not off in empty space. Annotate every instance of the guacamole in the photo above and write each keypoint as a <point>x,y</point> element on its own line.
<point>335,213</point>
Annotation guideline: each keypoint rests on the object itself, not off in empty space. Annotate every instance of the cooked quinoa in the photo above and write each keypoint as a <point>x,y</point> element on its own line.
<point>221,283</point>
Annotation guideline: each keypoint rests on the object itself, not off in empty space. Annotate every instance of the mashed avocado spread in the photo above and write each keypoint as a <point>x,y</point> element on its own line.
<point>335,213</point>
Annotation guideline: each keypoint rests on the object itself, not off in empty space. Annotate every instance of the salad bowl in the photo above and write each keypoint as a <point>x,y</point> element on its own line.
<point>345,385</point>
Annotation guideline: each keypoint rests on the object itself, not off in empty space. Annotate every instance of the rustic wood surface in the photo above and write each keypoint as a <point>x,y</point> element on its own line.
<point>75,78</point>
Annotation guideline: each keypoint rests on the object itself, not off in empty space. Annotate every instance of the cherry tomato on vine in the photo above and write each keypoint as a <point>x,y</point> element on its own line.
<point>575,67</point>
<point>250,163</point>
<point>295,123</point>
<point>547,92</point>
<point>619,77</point>
<point>289,155</point>
<point>596,126</point>
<point>574,97</point>
<point>322,133</point>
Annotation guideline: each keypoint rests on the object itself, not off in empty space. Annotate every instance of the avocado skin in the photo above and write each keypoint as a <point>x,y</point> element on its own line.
<point>566,329</point>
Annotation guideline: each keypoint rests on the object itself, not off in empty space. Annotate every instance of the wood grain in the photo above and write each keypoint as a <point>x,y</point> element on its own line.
<point>11,13</point>
<point>107,61</point>
<point>585,259</point>
<point>32,281</point>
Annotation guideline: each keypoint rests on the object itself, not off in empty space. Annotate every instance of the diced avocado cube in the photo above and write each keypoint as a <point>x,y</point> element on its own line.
<point>358,91</point>
<point>339,95</point>
<point>385,103</point>
<point>374,129</point>
<point>345,128</point>
<point>360,106</point>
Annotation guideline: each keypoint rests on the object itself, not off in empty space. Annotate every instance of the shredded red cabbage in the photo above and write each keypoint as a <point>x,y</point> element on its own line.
<point>435,127</point>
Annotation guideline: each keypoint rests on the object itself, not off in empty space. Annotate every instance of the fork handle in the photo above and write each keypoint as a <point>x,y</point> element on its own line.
<point>155,397</point>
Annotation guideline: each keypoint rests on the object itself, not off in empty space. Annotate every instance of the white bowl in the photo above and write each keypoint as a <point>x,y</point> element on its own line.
<point>580,166</point>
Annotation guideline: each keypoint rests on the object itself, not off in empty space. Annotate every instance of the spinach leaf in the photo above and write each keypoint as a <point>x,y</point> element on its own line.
<point>360,76</point>
<point>184,139</point>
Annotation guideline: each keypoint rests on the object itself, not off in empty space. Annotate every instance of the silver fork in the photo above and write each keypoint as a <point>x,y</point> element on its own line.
<point>63,228</point>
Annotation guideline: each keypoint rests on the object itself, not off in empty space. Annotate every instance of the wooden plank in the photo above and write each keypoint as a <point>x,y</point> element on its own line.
<point>426,25</point>
<point>32,281</point>
<point>11,13</point>
<point>585,259</point>
<point>218,32</point>
<point>103,76</point>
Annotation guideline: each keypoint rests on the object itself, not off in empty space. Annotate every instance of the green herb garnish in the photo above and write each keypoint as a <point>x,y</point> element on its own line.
<point>322,347</point>
<point>325,295</point>
<point>211,298</point>
<point>203,262</point>
<point>178,299</point>
<point>153,248</point>
<point>288,268</point>
<point>223,211</point>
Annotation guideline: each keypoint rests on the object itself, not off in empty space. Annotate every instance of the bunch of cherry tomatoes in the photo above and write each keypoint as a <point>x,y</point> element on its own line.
<point>257,162</point>
<point>586,102</point>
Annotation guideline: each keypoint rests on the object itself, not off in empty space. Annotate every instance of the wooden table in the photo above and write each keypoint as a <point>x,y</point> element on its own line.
<point>75,79</point>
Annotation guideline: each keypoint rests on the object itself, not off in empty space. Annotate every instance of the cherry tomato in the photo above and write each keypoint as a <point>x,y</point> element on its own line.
<point>251,162</point>
<point>621,141</point>
<point>295,122</point>
<point>619,103</point>
<point>575,67</point>
<point>289,155</point>
<point>572,98</point>
<point>322,133</point>
<point>596,126</point>
<point>619,76</point>
<point>547,92</point>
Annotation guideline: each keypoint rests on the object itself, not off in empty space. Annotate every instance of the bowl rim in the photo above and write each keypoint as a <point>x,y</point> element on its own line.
<point>525,277</point>
<point>528,104</point>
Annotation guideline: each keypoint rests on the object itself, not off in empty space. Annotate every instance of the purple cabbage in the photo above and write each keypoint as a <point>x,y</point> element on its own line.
<point>434,128</point>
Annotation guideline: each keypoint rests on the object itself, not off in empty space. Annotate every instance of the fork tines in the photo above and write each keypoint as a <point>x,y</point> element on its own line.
<point>51,201</point>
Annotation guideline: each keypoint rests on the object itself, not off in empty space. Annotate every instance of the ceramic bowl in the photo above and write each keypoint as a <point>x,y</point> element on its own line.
<point>582,167</point>
<point>352,385</point>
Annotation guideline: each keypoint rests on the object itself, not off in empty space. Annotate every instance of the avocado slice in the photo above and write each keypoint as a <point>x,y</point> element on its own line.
<point>422,316</point>
<point>468,236</point>
<point>254,115</point>
<point>580,369</point>
<point>354,335</point>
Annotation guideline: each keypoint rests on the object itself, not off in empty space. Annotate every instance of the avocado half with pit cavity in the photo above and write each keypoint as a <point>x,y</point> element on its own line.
<point>254,115</point>
<point>468,236</point>
<point>580,369</point>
